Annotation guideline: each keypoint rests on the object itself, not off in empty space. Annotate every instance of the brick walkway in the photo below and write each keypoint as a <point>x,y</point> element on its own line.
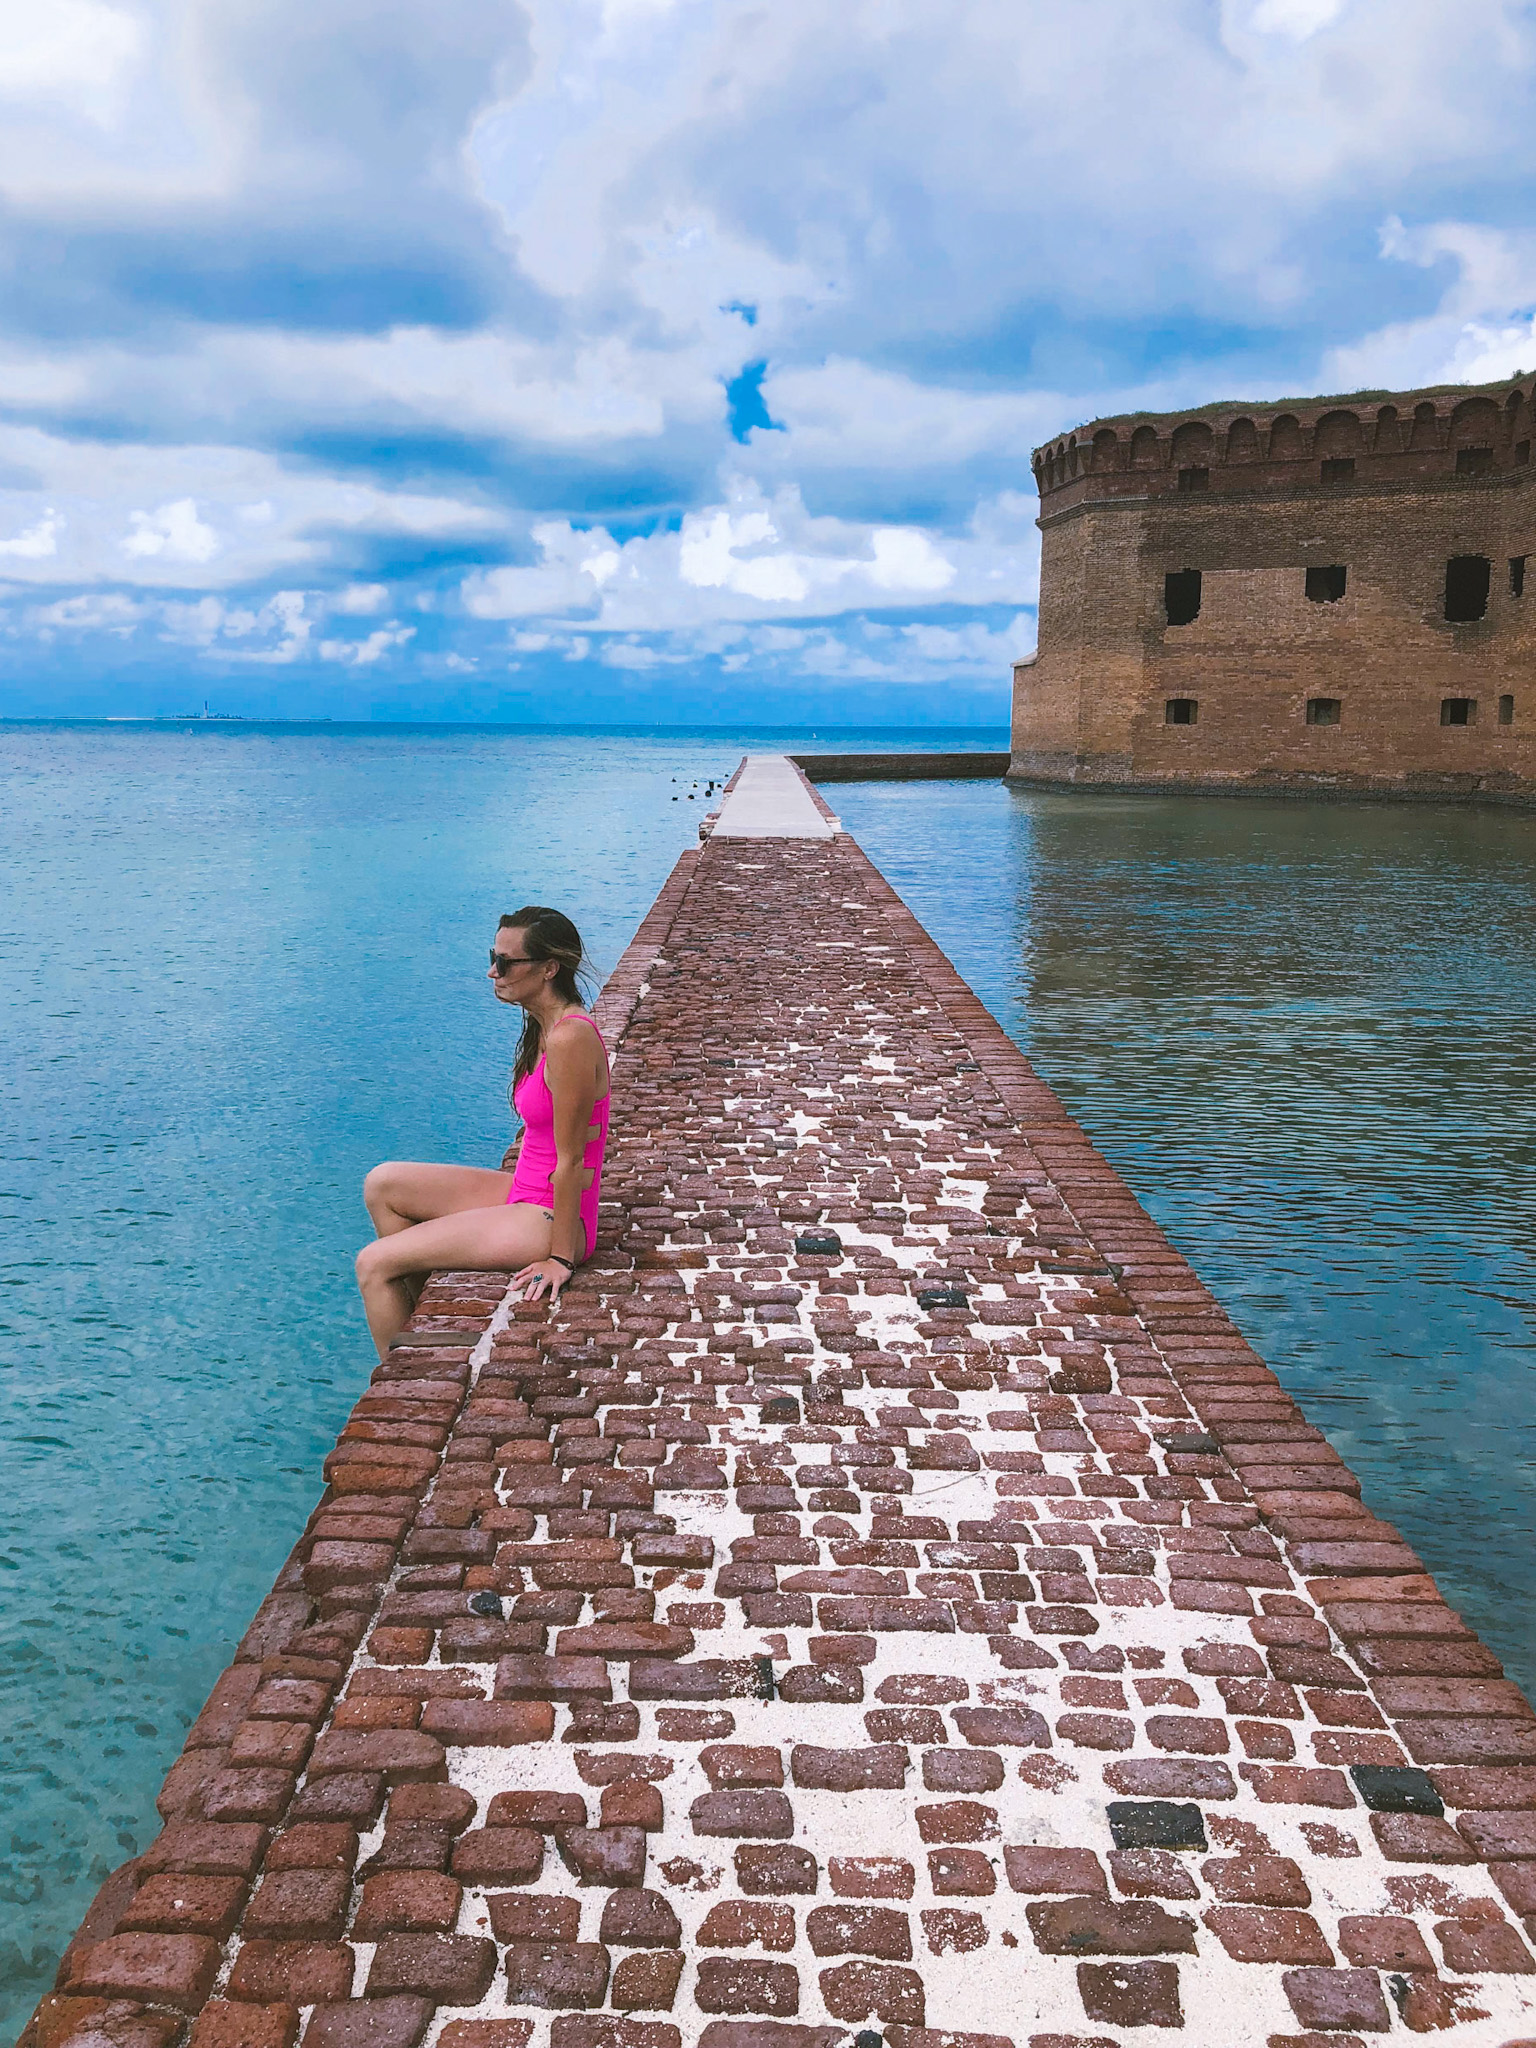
<point>888,1604</point>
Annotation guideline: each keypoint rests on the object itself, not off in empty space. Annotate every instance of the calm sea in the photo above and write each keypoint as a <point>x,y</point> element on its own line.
<point>240,963</point>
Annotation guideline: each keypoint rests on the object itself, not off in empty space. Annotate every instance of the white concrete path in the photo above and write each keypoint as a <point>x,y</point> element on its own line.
<point>771,802</point>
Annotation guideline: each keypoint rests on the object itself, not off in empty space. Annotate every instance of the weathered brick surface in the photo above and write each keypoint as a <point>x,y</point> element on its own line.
<point>1433,475</point>
<point>894,1635</point>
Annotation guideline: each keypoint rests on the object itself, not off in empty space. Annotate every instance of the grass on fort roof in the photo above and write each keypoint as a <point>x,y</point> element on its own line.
<point>1241,405</point>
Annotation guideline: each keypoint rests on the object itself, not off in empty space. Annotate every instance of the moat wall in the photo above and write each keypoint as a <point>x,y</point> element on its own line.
<point>1350,679</point>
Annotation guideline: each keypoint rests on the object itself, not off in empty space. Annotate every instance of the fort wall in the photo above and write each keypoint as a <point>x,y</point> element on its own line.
<point>1327,596</point>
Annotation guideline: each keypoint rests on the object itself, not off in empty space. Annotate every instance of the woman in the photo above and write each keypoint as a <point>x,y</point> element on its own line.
<point>540,1220</point>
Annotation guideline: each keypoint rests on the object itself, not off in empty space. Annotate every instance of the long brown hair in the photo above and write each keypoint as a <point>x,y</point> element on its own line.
<point>547,935</point>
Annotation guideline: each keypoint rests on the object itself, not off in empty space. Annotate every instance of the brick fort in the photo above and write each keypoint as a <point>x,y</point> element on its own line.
<point>1325,595</point>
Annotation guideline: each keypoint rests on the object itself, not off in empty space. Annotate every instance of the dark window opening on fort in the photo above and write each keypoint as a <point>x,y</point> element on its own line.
<point>1522,453</point>
<point>1517,575</point>
<point>1466,589</point>
<point>1474,461</point>
<point>1181,596</point>
<point>1338,469</point>
<point>1326,586</point>
<point>1506,711</point>
<point>1196,478</point>
<point>1458,711</point>
<point>1181,711</point>
<point>1323,710</point>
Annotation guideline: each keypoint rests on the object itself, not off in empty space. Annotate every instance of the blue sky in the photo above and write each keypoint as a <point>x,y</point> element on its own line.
<point>677,358</point>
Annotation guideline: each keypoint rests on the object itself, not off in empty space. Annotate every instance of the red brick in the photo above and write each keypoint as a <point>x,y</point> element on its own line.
<point>529,1677</point>
<point>950,1932</point>
<point>1151,1874</point>
<point>1002,1727</point>
<point>402,1755</point>
<point>1335,2000</point>
<point>632,1803</point>
<point>1095,1926</point>
<point>498,1724</point>
<point>1492,1945</point>
<point>486,2034</point>
<point>874,1991</point>
<point>446,1806</point>
<point>535,1916</point>
<point>407,1902</point>
<point>1188,1734</point>
<point>960,1873</point>
<point>776,1869</point>
<point>871,1877</point>
<point>639,1919</point>
<point>958,1820</point>
<point>1419,1838</point>
<point>498,1856</point>
<point>455,1969</point>
<point>257,1794</point>
<point>298,1972</point>
<point>231,1849</point>
<point>1383,1942</point>
<point>730,1764</point>
<point>168,1969</point>
<point>185,1905</point>
<point>1032,1869</point>
<point>557,1975</point>
<point>726,1985</point>
<point>748,1923</point>
<point>859,1930</point>
<point>601,2030</point>
<point>646,1980</point>
<point>397,2022</point>
<point>1283,1785</point>
<point>1268,1934</point>
<point>605,1856</point>
<point>1097,1731</point>
<point>1256,1880</point>
<point>299,1905</point>
<point>882,1768</point>
<point>222,2024</point>
<point>762,1814</point>
<point>544,1812</point>
<point>1131,1994</point>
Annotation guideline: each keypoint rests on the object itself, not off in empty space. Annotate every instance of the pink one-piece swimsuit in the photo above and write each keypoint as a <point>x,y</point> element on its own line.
<point>537,1158</point>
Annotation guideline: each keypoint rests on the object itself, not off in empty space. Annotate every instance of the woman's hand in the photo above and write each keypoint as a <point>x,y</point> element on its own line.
<point>531,1282</point>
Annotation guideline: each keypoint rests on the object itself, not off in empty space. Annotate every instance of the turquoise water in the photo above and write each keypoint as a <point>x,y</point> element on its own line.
<point>240,963</point>
<point>1305,1033</point>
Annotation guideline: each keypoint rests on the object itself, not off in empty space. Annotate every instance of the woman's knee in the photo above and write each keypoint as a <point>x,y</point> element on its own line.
<point>378,1182</point>
<point>372,1263</point>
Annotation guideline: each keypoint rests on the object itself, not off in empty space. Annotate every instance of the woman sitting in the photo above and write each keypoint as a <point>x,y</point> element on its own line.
<point>540,1221</point>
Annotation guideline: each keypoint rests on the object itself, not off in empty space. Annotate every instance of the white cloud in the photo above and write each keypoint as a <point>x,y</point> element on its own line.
<point>1298,19</point>
<point>35,543</point>
<point>364,653</point>
<point>361,600</point>
<point>754,555</point>
<point>1483,329</point>
<point>98,612</point>
<point>175,531</point>
<point>76,52</point>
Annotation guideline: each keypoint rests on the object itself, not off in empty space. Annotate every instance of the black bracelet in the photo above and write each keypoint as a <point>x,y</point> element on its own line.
<point>569,1264</point>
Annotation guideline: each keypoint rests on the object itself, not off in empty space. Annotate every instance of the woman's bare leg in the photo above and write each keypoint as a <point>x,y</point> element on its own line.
<point>403,1192</point>
<point>504,1238</point>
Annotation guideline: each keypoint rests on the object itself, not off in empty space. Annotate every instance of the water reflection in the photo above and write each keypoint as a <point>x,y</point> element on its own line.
<point>1306,1035</point>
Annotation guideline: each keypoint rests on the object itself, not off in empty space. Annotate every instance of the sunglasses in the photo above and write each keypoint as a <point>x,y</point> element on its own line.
<point>504,963</point>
